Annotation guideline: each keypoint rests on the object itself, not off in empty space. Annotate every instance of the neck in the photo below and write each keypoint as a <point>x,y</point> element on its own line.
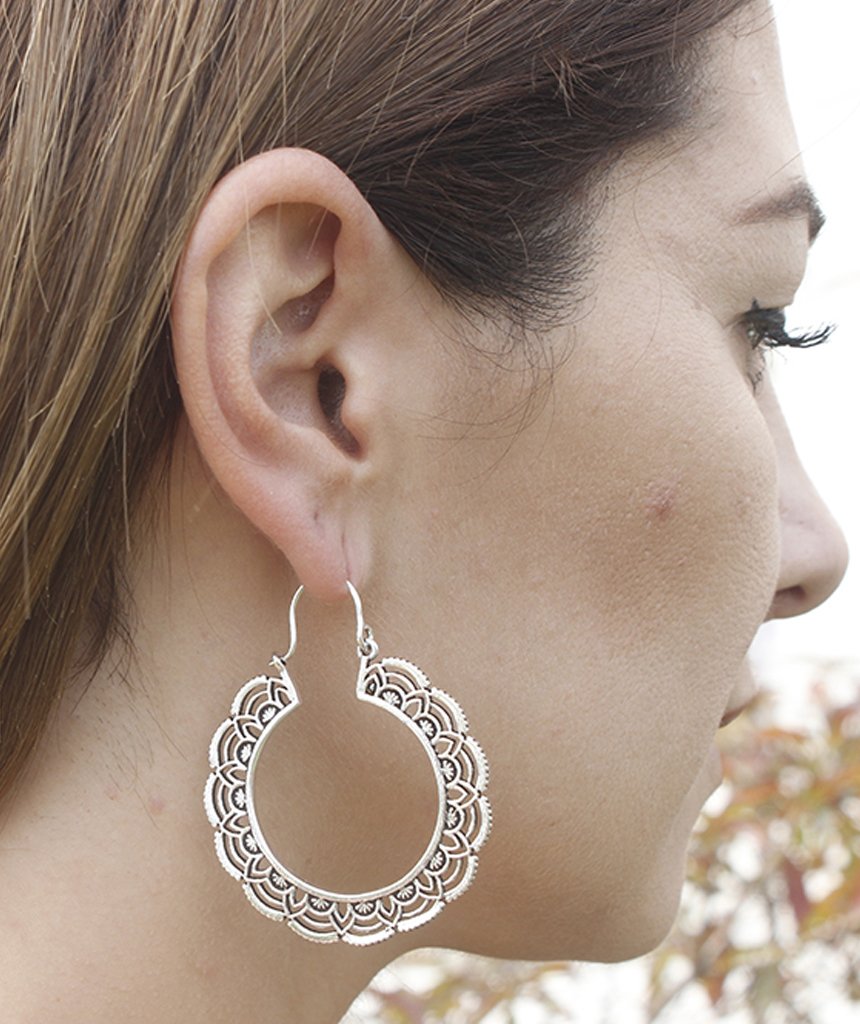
<point>115,908</point>
<point>113,905</point>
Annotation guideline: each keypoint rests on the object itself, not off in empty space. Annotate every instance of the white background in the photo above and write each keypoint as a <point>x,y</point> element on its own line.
<point>820,388</point>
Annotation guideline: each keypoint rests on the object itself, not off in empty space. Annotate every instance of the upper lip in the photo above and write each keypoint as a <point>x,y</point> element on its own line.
<point>733,713</point>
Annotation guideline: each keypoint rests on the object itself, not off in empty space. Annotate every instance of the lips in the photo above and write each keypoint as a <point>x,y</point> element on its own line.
<point>744,693</point>
<point>734,712</point>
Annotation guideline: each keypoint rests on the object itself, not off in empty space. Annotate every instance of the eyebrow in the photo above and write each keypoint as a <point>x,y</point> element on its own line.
<point>797,202</point>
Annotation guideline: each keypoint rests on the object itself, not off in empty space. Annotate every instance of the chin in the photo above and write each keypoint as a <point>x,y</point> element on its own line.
<point>620,910</point>
<point>624,928</point>
<point>637,926</point>
<point>631,939</point>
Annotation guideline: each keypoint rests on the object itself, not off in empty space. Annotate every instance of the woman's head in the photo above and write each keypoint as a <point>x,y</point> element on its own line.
<point>482,344</point>
<point>474,130</point>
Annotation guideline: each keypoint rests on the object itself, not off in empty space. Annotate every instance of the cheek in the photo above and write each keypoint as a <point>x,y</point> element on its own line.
<point>628,538</point>
<point>678,538</point>
<point>597,578</point>
<point>686,536</point>
<point>660,566</point>
<point>653,538</point>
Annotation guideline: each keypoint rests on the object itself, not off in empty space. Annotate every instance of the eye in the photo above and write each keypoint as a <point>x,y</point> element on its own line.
<point>766,329</point>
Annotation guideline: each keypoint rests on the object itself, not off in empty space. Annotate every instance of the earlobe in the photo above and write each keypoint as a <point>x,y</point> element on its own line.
<point>271,339</point>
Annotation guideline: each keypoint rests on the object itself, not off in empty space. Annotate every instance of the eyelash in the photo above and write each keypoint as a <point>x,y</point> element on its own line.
<point>765,329</point>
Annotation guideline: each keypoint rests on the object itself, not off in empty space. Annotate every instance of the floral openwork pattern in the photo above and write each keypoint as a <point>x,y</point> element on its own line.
<point>447,866</point>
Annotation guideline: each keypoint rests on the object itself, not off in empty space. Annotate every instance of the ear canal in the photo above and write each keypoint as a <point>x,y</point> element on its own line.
<point>331,390</point>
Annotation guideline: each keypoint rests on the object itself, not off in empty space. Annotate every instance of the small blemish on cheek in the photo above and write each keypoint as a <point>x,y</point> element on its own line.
<point>156,805</point>
<point>660,502</point>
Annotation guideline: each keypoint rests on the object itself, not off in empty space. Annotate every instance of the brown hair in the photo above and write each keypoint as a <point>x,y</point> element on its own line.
<point>474,127</point>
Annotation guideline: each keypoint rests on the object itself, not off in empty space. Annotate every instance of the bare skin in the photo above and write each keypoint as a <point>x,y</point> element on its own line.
<point>586,581</point>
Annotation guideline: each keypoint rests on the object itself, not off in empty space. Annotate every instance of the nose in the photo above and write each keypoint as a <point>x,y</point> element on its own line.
<point>814,551</point>
<point>814,559</point>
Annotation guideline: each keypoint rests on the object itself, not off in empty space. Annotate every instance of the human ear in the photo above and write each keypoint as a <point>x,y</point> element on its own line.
<point>280,356</point>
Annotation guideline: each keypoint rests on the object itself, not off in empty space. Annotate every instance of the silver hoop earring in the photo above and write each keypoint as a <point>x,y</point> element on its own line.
<point>463,821</point>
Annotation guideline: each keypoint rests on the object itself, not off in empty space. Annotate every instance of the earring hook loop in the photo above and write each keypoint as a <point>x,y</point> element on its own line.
<point>364,642</point>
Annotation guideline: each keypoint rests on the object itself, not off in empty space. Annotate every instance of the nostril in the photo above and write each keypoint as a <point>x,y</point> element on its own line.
<point>789,602</point>
<point>814,565</point>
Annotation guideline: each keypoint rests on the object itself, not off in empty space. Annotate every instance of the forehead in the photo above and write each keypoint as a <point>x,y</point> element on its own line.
<point>697,194</point>
<point>743,129</point>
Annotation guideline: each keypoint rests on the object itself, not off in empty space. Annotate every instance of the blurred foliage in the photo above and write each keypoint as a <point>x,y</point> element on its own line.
<point>466,989</point>
<point>771,907</point>
<point>774,877</point>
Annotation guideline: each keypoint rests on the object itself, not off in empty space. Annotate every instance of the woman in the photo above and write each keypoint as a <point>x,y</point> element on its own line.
<point>463,304</point>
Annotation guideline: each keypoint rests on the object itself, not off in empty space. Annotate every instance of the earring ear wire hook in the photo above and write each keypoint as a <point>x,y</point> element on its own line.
<point>364,642</point>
